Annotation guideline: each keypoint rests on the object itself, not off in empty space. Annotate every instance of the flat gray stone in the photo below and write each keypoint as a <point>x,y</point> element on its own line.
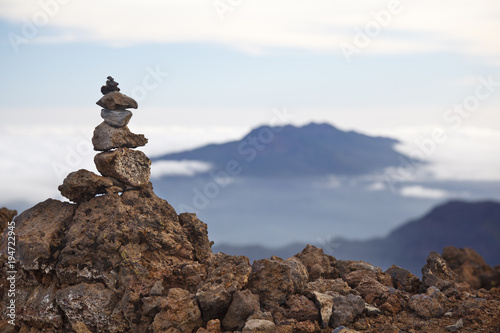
<point>118,118</point>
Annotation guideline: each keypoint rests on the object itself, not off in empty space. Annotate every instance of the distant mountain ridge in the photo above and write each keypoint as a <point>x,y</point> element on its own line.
<point>455,223</point>
<point>310,150</point>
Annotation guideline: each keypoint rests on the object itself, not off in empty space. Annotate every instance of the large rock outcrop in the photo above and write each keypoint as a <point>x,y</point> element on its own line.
<point>128,263</point>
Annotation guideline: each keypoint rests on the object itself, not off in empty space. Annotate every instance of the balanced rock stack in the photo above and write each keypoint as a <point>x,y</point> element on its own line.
<point>122,168</point>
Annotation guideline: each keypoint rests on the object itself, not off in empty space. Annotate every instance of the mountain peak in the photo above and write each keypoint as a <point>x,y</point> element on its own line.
<point>310,150</point>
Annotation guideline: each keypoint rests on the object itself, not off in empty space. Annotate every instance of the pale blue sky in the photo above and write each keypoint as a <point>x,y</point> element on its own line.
<point>228,71</point>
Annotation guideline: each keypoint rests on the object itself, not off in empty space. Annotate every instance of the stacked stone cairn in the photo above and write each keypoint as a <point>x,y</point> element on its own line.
<point>122,168</point>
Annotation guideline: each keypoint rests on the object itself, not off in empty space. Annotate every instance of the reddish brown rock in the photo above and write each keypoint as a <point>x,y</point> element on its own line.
<point>301,308</point>
<point>403,279</point>
<point>197,233</point>
<point>354,278</point>
<point>115,100</point>
<point>347,266</point>
<point>131,167</point>
<point>213,326</point>
<point>323,285</point>
<point>243,305</point>
<point>226,275</point>
<point>82,185</point>
<point>371,289</point>
<point>437,273</point>
<point>317,263</point>
<point>273,279</point>
<point>393,302</point>
<point>122,246</point>
<point>37,305</point>
<point>181,313</point>
<point>428,305</point>
<point>90,304</point>
<point>468,264</point>
<point>107,137</point>
<point>306,327</point>
<point>40,233</point>
<point>489,281</point>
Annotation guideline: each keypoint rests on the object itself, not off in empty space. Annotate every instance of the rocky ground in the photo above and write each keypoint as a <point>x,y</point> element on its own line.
<point>120,259</point>
<point>129,263</point>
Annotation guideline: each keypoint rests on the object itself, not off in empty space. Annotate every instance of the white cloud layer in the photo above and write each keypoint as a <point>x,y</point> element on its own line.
<point>423,192</point>
<point>179,168</point>
<point>469,153</point>
<point>393,26</point>
<point>37,157</point>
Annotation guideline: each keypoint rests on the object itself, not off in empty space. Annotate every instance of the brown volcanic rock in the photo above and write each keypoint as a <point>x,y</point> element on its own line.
<point>107,137</point>
<point>115,100</point>
<point>323,285</point>
<point>428,305</point>
<point>301,308</point>
<point>126,232</point>
<point>317,263</point>
<point>469,266</point>
<point>403,279</point>
<point>243,305</point>
<point>371,289</point>
<point>198,235</point>
<point>226,275</point>
<point>6,216</point>
<point>101,262</point>
<point>129,263</point>
<point>83,185</point>
<point>181,313</point>
<point>273,279</point>
<point>131,167</point>
<point>437,273</point>
<point>346,309</point>
<point>95,299</point>
<point>40,233</point>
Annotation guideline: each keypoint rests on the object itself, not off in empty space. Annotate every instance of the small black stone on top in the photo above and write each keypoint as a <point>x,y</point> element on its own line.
<point>111,85</point>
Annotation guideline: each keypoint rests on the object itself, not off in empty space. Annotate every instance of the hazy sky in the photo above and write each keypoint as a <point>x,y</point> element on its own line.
<point>211,70</point>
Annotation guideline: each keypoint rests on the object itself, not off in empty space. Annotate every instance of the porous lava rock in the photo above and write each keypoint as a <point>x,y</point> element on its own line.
<point>40,233</point>
<point>403,279</point>
<point>273,279</point>
<point>180,314</point>
<point>317,263</point>
<point>243,305</point>
<point>82,185</point>
<point>131,167</point>
<point>225,275</point>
